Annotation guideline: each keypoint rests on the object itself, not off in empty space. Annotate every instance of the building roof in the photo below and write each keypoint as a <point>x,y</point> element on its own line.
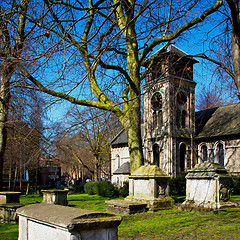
<point>216,122</point>
<point>210,123</point>
<point>175,50</point>
<point>121,138</point>
<point>123,169</point>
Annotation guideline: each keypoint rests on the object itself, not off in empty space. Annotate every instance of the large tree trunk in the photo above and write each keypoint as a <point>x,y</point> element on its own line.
<point>134,136</point>
<point>233,5</point>
<point>6,73</point>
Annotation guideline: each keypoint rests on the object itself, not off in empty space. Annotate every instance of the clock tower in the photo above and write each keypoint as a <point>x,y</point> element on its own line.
<point>169,111</point>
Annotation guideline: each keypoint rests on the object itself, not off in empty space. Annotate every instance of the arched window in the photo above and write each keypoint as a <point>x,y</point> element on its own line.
<point>154,124</point>
<point>181,114</point>
<point>184,114</point>
<point>220,154</point>
<point>204,153</point>
<point>181,98</point>
<point>182,157</point>
<point>160,118</point>
<point>156,155</point>
<point>118,159</point>
<point>156,105</point>
<point>178,117</point>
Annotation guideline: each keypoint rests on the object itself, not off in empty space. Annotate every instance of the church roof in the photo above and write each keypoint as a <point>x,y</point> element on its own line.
<point>175,50</point>
<point>121,138</point>
<point>216,122</point>
<point>123,169</point>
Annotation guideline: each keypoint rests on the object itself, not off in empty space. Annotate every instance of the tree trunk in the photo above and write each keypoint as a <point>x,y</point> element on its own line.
<point>4,104</point>
<point>233,4</point>
<point>134,136</point>
<point>96,175</point>
<point>9,177</point>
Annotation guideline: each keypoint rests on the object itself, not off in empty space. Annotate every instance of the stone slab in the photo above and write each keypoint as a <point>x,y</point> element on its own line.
<point>45,222</point>
<point>155,204</point>
<point>58,197</point>
<point>9,197</point>
<point>8,212</point>
<point>125,207</point>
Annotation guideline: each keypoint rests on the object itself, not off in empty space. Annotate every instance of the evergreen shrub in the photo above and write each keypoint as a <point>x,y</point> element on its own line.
<point>106,189</point>
<point>124,190</point>
<point>89,188</point>
<point>177,186</point>
<point>101,188</point>
<point>235,189</point>
<point>79,188</point>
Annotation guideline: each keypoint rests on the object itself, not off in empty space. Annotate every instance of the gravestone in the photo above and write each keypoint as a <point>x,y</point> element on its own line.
<point>150,184</point>
<point>9,203</point>
<point>47,221</point>
<point>207,186</point>
<point>9,197</point>
<point>148,190</point>
<point>55,197</point>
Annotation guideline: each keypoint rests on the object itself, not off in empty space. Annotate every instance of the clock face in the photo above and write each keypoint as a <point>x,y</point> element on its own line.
<point>156,101</point>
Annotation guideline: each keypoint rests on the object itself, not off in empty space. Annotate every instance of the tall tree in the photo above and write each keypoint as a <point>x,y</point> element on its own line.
<point>87,38</point>
<point>235,21</point>
<point>114,38</point>
<point>12,37</point>
<point>223,48</point>
<point>209,97</point>
<point>89,144</point>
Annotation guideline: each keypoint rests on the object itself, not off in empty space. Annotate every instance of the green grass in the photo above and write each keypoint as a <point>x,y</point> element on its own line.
<point>90,202</point>
<point>173,224</point>
<point>166,224</point>
<point>235,198</point>
<point>8,231</point>
<point>33,198</point>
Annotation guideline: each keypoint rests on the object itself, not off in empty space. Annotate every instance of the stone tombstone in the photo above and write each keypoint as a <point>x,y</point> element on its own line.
<point>9,197</point>
<point>58,197</point>
<point>9,202</point>
<point>46,221</point>
<point>208,186</point>
<point>150,184</point>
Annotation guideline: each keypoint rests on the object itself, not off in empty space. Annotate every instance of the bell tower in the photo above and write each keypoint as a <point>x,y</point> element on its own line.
<point>169,110</point>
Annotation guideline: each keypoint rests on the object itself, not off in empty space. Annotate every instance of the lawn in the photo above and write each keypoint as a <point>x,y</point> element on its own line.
<point>167,224</point>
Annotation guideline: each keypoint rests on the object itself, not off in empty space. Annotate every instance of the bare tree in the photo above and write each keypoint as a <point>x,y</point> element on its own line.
<point>224,47</point>
<point>25,134</point>
<point>113,38</point>
<point>89,144</point>
<point>209,97</point>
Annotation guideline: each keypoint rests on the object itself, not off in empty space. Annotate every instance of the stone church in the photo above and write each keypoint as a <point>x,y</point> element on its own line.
<point>175,137</point>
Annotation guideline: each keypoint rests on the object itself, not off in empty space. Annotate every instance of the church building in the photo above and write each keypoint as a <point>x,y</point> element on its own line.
<point>175,137</point>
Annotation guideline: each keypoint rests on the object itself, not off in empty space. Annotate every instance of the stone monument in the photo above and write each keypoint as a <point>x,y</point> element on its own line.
<point>49,221</point>
<point>208,186</point>
<point>148,190</point>
<point>9,203</point>
<point>55,196</point>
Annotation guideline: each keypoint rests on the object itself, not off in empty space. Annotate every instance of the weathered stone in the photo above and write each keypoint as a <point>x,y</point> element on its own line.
<point>46,221</point>
<point>9,197</point>
<point>148,185</point>
<point>154,204</point>
<point>8,212</point>
<point>58,197</point>
<point>126,207</point>
<point>208,186</point>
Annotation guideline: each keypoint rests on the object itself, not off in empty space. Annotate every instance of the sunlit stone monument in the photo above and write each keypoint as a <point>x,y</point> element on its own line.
<point>148,190</point>
<point>150,184</point>
<point>56,222</point>
<point>55,196</point>
<point>208,186</point>
<point>9,203</point>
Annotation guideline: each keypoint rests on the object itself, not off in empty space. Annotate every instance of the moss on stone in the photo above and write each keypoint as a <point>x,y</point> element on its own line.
<point>149,171</point>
